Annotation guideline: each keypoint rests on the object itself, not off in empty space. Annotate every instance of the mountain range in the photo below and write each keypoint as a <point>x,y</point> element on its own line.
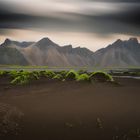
<point>46,52</point>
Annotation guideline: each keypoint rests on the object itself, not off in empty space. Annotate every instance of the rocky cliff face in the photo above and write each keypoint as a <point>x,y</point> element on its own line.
<point>46,52</point>
<point>119,54</point>
<point>10,55</point>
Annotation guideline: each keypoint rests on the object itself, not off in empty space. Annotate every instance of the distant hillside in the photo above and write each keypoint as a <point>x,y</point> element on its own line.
<point>119,54</point>
<point>46,52</point>
<point>11,55</point>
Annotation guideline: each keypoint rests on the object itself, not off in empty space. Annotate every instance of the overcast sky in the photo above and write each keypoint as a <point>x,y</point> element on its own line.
<point>86,23</point>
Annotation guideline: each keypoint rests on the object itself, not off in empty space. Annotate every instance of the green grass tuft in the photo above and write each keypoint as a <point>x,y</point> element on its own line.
<point>49,74</point>
<point>2,73</point>
<point>20,77</point>
<point>58,77</point>
<point>23,77</point>
<point>63,73</point>
<point>72,75</point>
<point>101,77</point>
<point>83,77</point>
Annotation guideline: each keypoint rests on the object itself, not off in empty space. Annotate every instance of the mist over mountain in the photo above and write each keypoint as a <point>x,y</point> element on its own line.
<point>46,52</point>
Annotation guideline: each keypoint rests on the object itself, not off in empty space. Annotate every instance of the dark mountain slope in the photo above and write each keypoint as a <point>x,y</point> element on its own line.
<point>119,54</point>
<point>46,52</point>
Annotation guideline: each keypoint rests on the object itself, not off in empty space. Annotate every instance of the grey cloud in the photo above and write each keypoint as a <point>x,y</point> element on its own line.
<point>130,1</point>
<point>126,22</point>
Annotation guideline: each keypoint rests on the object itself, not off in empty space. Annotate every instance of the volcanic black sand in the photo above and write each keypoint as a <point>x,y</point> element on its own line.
<point>54,110</point>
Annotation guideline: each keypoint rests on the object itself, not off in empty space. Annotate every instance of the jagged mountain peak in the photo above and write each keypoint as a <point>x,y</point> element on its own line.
<point>45,42</point>
<point>67,46</point>
<point>10,55</point>
<point>120,53</point>
<point>133,42</point>
<point>9,42</point>
<point>46,52</point>
<point>45,39</point>
<point>70,46</point>
<point>6,42</point>
<point>133,39</point>
<point>117,43</point>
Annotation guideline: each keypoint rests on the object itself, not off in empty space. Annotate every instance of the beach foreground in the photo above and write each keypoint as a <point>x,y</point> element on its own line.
<point>55,110</point>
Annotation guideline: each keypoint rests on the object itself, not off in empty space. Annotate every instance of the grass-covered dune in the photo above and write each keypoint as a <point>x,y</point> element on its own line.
<point>24,77</point>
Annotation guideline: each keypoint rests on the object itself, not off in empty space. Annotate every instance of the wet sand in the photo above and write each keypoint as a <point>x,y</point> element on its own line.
<point>54,110</point>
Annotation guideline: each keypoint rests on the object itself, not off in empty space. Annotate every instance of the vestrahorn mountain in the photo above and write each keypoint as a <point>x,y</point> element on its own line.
<point>46,52</point>
<point>119,54</point>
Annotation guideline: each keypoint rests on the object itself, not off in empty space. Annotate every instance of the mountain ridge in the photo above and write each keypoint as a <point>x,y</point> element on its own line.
<point>46,52</point>
<point>119,53</point>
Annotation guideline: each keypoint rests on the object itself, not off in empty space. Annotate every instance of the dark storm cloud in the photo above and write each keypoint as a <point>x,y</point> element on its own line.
<point>126,20</point>
<point>130,1</point>
<point>13,20</point>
